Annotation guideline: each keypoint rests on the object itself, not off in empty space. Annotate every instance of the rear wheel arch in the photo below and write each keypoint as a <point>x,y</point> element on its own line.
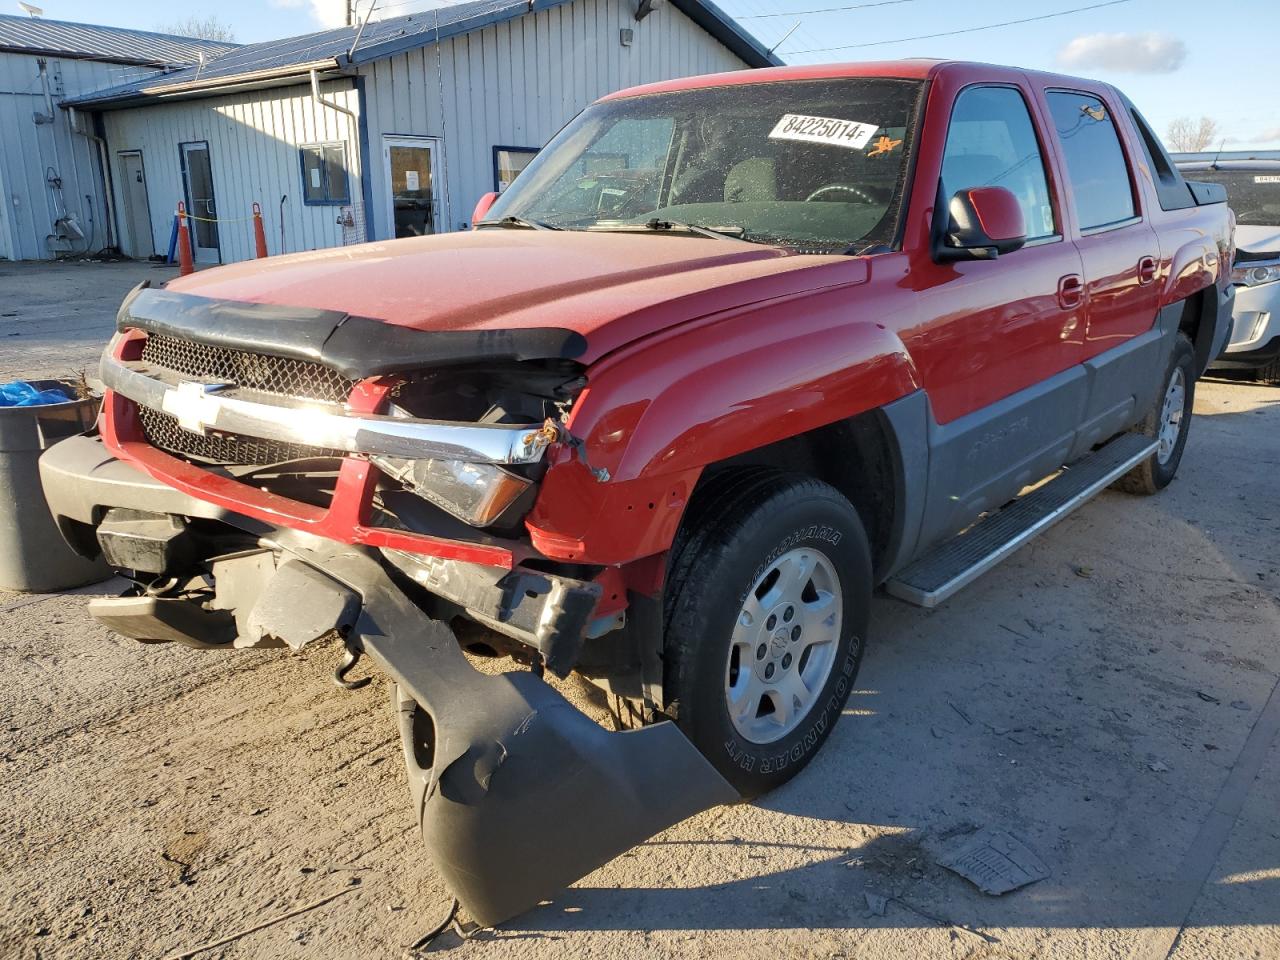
<point>1198,323</point>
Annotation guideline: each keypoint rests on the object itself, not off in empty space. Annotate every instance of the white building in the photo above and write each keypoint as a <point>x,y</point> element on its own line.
<point>397,131</point>
<point>51,176</point>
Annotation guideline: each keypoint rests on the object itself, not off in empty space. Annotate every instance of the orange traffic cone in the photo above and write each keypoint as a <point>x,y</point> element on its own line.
<point>185,263</point>
<point>259,236</point>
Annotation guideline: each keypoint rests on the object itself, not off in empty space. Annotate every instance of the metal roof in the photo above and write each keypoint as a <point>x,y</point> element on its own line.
<point>265,63</point>
<point>86,41</point>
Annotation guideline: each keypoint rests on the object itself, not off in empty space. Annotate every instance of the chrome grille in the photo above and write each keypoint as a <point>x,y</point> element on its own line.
<point>162,431</point>
<point>282,376</point>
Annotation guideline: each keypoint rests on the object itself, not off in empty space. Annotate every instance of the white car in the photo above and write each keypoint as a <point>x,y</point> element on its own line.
<point>1253,190</point>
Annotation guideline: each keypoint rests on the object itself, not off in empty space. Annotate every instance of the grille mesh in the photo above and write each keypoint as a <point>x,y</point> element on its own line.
<point>162,431</point>
<point>281,376</point>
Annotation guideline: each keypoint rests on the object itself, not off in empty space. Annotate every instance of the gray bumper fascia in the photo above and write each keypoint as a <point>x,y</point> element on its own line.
<point>518,793</point>
<point>80,477</point>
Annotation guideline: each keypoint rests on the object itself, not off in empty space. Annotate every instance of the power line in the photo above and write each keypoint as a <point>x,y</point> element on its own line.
<point>952,33</point>
<point>801,13</point>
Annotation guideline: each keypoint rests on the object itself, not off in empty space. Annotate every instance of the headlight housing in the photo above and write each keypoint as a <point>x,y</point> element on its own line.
<point>1254,273</point>
<point>475,493</point>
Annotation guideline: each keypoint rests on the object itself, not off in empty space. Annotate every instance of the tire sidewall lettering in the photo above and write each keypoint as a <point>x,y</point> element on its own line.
<point>812,735</point>
<point>814,532</point>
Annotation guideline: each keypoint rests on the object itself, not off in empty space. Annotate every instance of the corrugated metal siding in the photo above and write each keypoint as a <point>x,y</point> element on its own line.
<point>513,83</point>
<point>516,83</point>
<point>253,144</point>
<point>28,149</point>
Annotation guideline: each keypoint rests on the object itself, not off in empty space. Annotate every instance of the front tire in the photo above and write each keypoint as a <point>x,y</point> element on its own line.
<point>1168,423</point>
<point>766,614</point>
<point>1270,374</point>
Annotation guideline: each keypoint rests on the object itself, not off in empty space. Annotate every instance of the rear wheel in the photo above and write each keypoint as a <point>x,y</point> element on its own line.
<point>766,614</point>
<point>1167,423</point>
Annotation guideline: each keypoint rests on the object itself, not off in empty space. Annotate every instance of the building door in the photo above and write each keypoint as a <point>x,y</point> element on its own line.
<point>137,211</point>
<point>413,175</point>
<point>197,182</point>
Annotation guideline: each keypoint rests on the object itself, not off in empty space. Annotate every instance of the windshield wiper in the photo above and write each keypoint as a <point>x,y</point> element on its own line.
<point>517,223</point>
<point>676,226</point>
<point>718,232</point>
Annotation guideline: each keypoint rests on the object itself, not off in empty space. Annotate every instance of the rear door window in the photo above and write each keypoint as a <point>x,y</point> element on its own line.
<point>991,142</point>
<point>1100,183</point>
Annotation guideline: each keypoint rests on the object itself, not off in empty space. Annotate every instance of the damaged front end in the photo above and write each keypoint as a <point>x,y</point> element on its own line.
<point>266,479</point>
<point>517,792</point>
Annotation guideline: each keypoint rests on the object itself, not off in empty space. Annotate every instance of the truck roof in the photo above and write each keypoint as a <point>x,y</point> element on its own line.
<point>911,69</point>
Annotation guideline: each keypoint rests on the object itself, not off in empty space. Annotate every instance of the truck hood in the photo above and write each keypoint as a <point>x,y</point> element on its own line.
<point>1258,239</point>
<point>610,288</point>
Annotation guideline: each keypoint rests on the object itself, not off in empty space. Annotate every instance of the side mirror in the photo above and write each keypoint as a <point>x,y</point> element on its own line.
<point>982,223</point>
<point>482,207</point>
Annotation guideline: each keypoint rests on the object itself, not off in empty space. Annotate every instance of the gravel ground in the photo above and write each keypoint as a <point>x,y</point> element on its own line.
<point>1108,695</point>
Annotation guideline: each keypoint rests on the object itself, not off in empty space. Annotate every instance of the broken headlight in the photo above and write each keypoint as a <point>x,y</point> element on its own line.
<point>476,493</point>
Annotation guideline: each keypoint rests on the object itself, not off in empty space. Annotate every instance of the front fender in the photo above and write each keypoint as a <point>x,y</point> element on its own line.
<point>655,415</point>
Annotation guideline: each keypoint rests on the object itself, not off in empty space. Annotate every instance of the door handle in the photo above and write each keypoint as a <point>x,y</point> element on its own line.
<point>1146,269</point>
<point>1070,291</point>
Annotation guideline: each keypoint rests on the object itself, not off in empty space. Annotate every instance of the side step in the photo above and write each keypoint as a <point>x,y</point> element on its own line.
<point>957,562</point>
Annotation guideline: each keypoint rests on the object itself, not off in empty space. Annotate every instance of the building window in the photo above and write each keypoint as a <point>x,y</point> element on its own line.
<point>324,173</point>
<point>509,161</point>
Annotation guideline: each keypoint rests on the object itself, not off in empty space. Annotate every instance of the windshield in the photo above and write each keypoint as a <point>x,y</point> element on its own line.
<point>814,164</point>
<point>1254,195</point>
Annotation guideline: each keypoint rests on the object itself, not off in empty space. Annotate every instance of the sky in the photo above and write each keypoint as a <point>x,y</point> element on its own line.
<point>1173,58</point>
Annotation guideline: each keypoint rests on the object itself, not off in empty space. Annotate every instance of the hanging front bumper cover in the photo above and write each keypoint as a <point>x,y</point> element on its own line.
<point>517,792</point>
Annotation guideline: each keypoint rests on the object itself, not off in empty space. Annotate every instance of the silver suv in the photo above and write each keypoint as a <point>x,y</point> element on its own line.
<point>1253,190</point>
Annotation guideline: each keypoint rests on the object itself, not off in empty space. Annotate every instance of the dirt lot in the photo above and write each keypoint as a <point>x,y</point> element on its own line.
<point>1108,695</point>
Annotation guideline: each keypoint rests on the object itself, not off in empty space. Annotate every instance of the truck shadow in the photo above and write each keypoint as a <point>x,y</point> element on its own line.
<point>1094,696</point>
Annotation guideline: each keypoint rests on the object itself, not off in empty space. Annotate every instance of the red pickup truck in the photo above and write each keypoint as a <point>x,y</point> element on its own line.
<point>731,353</point>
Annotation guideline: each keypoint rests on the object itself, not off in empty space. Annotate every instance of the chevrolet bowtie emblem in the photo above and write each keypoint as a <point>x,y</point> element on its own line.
<point>193,405</point>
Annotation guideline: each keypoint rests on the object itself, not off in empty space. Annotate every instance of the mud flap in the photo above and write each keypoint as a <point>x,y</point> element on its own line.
<point>518,793</point>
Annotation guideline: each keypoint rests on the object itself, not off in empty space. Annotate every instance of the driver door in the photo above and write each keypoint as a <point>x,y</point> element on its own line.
<point>1000,353</point>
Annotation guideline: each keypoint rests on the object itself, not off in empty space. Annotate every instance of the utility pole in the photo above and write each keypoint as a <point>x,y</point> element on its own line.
<point>351,13</point>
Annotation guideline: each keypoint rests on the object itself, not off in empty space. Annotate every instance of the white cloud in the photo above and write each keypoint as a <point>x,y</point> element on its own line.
<point>1124,52</point>
<point>330,13</point>
<point>324,13</point>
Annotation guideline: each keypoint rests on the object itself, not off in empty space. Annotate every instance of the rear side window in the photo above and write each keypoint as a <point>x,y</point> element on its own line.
<point>1095,160</point>
<point>992,143</point>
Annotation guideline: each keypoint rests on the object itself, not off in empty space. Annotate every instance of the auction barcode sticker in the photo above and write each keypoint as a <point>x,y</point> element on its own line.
<point>839,133</point>
<point>1267,179</point>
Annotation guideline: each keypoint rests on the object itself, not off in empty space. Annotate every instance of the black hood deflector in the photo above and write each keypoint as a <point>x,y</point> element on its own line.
<point>357,347</point>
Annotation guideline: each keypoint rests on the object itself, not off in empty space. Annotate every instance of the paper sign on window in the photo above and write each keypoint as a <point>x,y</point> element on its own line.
<point>411,180</point>
<point>315,178</point>
<point>837,133</point>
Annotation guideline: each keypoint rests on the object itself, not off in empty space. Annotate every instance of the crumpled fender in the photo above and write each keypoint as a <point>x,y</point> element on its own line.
<point>658,412</point>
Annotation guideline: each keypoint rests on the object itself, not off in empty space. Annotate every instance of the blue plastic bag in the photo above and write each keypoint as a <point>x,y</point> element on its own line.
<point>19,393</point>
